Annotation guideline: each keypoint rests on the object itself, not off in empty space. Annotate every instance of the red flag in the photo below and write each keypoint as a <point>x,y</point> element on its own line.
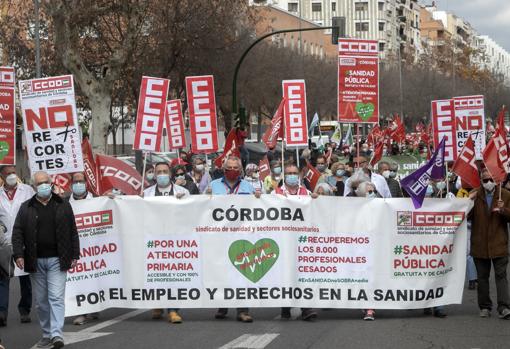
<point>312,175</point>
<point>115,173</point>
<point>398,132</point>
<point>231,148</point>
<point>90,168</point>
<point>465,166</point>
<point>276,130</point>
<point>493,161</point>
<point>375,134</point>
<point>500,140</point>
<point>264,168</point>
<point>378,152</point>
<point>62,181</point>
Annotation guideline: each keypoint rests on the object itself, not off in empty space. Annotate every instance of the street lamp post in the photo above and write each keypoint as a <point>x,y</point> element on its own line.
<point>245,53</point>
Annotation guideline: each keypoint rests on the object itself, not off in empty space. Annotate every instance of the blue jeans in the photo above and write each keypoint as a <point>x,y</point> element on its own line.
<point>49,284</point>
<point>25,302</point>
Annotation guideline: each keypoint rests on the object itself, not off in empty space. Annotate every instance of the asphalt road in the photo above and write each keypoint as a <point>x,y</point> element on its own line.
<point>122,328</point>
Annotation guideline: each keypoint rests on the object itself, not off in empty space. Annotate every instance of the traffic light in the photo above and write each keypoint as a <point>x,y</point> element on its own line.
<point>338,31</point>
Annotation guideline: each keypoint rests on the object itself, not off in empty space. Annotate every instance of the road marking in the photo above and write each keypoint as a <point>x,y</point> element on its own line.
<point>90,332</point>
<point>251,341</point>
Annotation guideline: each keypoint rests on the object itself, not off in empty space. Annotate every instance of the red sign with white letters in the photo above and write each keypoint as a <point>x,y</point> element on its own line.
<point>443,125</point>
<point>202,114</point>
<point>175,124</point>
<point>358,81</point>
<point>296,122</point>
<point>151,114</point>
<point>7,126</point>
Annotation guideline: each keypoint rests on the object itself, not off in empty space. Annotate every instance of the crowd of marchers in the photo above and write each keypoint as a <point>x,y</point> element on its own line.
<point>38,231</point>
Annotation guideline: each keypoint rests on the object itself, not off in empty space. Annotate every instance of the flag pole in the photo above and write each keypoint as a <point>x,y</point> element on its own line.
<point>500,191</point>
<point>357,142</point>
<point>297,157</point>
<point>143,172</point>
<point>446,178</point>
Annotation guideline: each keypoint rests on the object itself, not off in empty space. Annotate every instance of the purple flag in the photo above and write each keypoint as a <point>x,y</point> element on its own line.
<point>416,183</point>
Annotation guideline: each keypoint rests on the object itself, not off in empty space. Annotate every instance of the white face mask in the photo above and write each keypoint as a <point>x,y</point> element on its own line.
<point>11,180</point>
<point>199,168</point>
<point>441,185</point>
<point>489,186</point>
<point>255,175</point>
<point>386,174</point>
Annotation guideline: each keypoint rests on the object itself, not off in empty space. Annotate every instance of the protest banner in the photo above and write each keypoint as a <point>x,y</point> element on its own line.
<point>202,114</point>
<point>175,124</point>
<point>51,125</point>
<point>7,125</point>
<point>150,115</point>
<point>294,111</point>
<point>7,77</point>
<point>203,252</point>
<point>456,119</point>
<point>358,81</point>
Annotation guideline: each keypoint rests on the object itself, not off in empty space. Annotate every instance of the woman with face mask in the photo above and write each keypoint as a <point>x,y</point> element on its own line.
<point>181,178</point>
<point>337,178</point>
<point>149,175</point>
<point>252,176</point>
<point>274,180</point>
<point>199,174</point>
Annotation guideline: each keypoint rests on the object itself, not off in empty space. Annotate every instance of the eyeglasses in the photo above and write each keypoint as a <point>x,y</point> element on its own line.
<point>487,180</point>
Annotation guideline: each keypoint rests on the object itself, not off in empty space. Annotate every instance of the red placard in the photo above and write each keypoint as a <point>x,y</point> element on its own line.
<point>296,123</point>
<point>7,126</point>
<point>202,114</point>
<point>443,123</point>
<point>150,114</point>
<point>7,76</point>
<point>358,81</point>
<point>175,124</point>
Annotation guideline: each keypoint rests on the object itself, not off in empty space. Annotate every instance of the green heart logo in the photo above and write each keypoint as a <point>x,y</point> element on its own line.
<point>253,260</point>
<point>365,111</point>
<point>4,149</point>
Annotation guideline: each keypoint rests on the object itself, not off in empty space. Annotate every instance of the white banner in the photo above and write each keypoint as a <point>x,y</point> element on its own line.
<point>238,251</point>
<point>51,125</point>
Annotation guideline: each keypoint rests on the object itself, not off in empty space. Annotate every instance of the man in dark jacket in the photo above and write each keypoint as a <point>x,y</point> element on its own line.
<point>45,244</point>
<point>489,243</point>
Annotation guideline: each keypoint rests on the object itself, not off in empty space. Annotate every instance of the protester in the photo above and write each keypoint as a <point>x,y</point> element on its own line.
<point>489,243</point>
<point>322,167</point>
<point>200,175</point>
<point>378,180</point>
<point>384,170</point>
<point>232,184</point>
<point>79,192</point>
<point>12,195</point>
<point>252,176</point>
<point>470,263</point>
<point>149,174</point>
<point>180,177</point>
<point>165,187</point>
<point>274,180</point>
<point>323,189</point>
<point>337,179</point>
<point>354,182</point>
<point>47,255</point>
<point>292,186</point>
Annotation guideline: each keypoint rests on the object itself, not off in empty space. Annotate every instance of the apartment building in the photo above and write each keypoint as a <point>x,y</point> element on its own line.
<point>493,57</point>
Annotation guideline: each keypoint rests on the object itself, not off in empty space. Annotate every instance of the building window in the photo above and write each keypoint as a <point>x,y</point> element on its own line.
<point>333,6</point>
<point>381,6</point>
<point>381,26</point>
<point>316,7</point>
<point>381,46</point>
<point>292,7</point>
<point>362,26</point>
<point>361,6</point>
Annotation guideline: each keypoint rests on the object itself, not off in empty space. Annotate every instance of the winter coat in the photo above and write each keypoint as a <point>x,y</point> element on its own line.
<point>489,232</point>
<point>24,235</point>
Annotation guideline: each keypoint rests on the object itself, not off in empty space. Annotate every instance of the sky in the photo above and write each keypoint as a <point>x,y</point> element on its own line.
<point>488,17</point>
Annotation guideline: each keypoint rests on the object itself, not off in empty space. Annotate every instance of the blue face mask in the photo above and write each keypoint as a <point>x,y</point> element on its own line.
<point>44,190</point>
<point>277,171</point>
<point>429,191</point>
<point>292,180</point>
<point>79,189</point>
<point>340,173</point>
<point>163,180</point>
